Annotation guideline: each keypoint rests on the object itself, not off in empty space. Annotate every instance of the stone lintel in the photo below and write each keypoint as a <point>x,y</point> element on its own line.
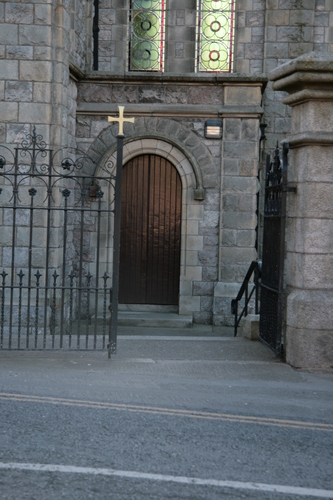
<point>180,110</point>
<point>176,78</point>
<point>240,115</point>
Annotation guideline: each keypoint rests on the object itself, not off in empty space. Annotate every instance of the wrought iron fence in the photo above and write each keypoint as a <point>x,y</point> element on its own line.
<point>56,220</point>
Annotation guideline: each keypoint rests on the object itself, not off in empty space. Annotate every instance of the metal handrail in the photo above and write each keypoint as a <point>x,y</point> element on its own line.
<point>255,268</point>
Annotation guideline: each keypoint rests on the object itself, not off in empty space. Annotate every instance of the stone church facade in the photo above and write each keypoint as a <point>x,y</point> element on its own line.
<point>53,76</point>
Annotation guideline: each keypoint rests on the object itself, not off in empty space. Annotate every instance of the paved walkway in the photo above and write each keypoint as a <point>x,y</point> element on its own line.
<point>246,373</point>
<point>201,416</point>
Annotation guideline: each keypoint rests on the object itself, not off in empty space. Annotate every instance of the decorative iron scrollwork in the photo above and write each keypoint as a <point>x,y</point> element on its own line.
<point>57,229</point>
<point>273,184</point>
<point>34,141</point>
<point>49,168</point>
<point>67,164</point>
<point>66,193</point>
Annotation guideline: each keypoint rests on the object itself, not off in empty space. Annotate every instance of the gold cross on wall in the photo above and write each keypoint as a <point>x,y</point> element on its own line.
<point>121,120</point>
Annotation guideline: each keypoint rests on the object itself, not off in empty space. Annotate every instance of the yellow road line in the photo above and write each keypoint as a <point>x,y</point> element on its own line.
<point>246,419</point>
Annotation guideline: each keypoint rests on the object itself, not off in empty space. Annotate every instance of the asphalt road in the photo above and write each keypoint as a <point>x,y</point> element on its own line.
<point>166,418</point>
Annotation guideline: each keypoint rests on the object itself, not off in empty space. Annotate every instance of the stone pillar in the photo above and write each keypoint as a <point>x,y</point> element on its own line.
<point>239,187</point>
<point>309,237</point>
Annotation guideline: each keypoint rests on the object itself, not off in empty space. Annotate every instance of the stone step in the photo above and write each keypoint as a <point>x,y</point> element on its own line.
<point>148,308</point>
<point>154,319</point>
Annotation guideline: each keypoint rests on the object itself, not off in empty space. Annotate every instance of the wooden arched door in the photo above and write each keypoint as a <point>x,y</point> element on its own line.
<point>150,232</point>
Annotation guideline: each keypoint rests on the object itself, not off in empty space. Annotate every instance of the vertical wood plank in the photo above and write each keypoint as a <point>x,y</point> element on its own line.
<point>151,232</point>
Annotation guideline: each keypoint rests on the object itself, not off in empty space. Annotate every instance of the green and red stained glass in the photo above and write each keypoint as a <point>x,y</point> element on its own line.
<point>215,35</point>
<point>146,40</point>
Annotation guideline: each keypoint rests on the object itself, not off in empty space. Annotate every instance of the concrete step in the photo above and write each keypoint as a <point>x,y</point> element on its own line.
<point>148,308</point>
<point>154,319</point>
<point>196,332</point>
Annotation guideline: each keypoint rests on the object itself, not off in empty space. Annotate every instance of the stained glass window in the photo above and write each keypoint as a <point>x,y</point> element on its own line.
<point>215,35</point>
<point>146,35</point>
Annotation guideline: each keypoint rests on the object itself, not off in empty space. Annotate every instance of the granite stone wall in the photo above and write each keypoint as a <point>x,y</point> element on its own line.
<point>239,188</point>
<point>271,32</point>
<point>249,36</point>
<point>35,90</point>
<point>292,28</point>
<point>25,69</point>
<point>80,32</point>
<point>71,120</point>
<point>37,42</point>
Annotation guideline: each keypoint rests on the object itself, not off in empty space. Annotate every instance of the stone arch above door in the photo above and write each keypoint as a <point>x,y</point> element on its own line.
<point>178,137</point>
<point>159,147</point>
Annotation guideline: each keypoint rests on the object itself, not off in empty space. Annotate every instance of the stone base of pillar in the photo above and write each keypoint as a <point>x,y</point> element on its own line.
<point>309,331</point>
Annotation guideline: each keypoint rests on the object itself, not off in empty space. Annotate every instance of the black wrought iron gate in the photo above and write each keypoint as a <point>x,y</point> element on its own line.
<point>55,239</point>
<point>272,286</point>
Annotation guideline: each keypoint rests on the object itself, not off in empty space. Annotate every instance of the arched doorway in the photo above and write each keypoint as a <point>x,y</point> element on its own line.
<point>150,232</point>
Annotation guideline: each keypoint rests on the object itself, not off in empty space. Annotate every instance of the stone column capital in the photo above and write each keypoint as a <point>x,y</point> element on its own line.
<point>309,71</point>
<point>309,83</point>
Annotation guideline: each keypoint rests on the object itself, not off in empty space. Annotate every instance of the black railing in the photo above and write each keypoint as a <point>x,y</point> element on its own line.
<point>95,35</point>
<point>255,270</point>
